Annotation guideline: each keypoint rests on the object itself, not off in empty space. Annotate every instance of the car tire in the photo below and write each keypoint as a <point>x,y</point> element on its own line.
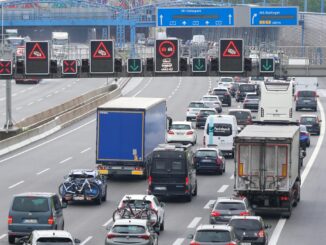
<point>162,226</point>
<point>104,197</point>
<point>195,191</point>
<point>308,143</point>
<point>11,239</point>
<point>224,168</point>
<point>189,197</point>
<point>315,109</point>
<point>63,226</point>
<point>229,104</point>
<point>98,200</point>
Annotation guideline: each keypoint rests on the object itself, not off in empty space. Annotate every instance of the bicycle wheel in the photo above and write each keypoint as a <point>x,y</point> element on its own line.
<point>93,190</point>
<point>121,213</point>
<point>151,215</point>
<point>66,188</point>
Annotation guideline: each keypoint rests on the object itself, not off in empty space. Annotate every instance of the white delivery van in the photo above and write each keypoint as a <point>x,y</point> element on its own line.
<point>220,130</point>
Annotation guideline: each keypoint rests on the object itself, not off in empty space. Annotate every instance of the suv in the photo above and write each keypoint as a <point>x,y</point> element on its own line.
<point>225,207</point>
<point>250,229</point>
<point>306,100</point>
<point>214,234</point>
<point>209,160</point>
<point>312,123</point>
<point>243,116</point>
<point>243,89</point>
<point>49,237</point>
<point>223,94</point>
<point>194,108</point>
<point>172,172</point>
<point>34,211</point>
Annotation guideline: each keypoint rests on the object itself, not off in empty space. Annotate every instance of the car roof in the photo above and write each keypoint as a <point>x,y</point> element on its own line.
<point>51,233</point>
<point>207,109</point>
<point>182,122</point>
<point>81,171</point>
<point>220,88</point>
<point>35,194</point>
<point>214,227</point>
<point>308,115</point>
<point>210,96</point>
<point>141,222</point>
<point>138,197</point>
<point>251,94</point>
<point>244,110</point>
<point>246,217</point>
<point>207,149</point>
<point>231,199</point>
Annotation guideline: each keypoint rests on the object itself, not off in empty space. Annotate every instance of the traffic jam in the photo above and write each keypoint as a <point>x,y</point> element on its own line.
<point>250,121</point>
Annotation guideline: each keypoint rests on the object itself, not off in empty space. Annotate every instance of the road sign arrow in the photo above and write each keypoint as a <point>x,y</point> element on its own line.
<point>161,19</point>
<point>230,19</point>
<point>267,66</point>
<point>134,66</point>
<point>199,65</point>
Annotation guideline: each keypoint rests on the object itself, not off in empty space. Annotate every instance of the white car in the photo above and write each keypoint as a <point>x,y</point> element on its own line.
<point>183,132</point>
<point>137,201</point>
<point>193,109</point>
<point>212,101</point>
<point>225,82</point>
<point>39,237</point>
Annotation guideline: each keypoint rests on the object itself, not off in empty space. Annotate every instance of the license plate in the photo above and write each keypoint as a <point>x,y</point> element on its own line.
<point>30,221</point>
<point>78,198</point>
<point>160,188</point>
<point>245,243</point>
<point>179,133</point>
<point>306,101</point>
<point>115,167</point>
<point>137,172</point>
<point>103,171</point>
<point>206,160</point>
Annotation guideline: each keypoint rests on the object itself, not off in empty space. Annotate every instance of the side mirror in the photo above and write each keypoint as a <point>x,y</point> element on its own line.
<point>77,240</point>
<point>190,236</point>
<point>64,205</point>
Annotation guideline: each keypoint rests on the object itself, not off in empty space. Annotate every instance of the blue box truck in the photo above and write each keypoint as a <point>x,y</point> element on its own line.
<point>128,129</point>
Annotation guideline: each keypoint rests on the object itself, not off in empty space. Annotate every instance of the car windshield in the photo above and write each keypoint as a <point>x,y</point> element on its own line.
<point>230,206</point>
<point>247,88</point>
<point>307,120</point>
<point>210,99</point>
<point>226,80</point>
<point>246,224</point>
<point>220,129</point>
<point>30,204</point>
<point>137,203</point>
<point>257,78</point>
<point>196,105</point>
<point>129,229</point>
<point>306,94</point>
<point>207,112</point>
<point>206,153</point>
<point>240,115</point>
<point>180,126</point>
<point>54,241</point>
<point>212,236</point>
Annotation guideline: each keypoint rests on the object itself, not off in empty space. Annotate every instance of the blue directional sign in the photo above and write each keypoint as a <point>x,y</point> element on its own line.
<point>195,17</point>
<point>274,16</point>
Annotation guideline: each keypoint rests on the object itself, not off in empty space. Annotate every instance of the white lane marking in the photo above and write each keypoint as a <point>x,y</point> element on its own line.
<point>281,223</point>
<point>194,222</point>
<point>175,90</point>
<point>107,222</point>
<point>210,202</point>
<point>223,188</point>
<point>3,236</point>
<point>86,240</point>
<point>30,103</point>
<point>179,241</point>
<point>65,160</point>
<point>2,99</point>
<point>47,142</point>
<point>19,108</point>
<point>43,171</point>
<point>69,85</point>
<point>49,95</point>
<point>87,149</point>
<point>146,85</point>
<point>40,99</point>
<point>23,91</point>
<point>232,176</point>
<point>14,185</point>
<point>13,95</point>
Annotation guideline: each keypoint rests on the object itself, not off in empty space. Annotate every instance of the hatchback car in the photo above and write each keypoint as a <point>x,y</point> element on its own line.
<point>225,82</point>
<point>194,108</point>
<point>138,201</point>
<point>306,100</point>
<point>226,207</point>
<point>223,94</point>
<point>304,136</point>
<point>243,116</point>
<point>209,160</point>
<point>34,211</point>
<point>214,235</point>
<point>212,101</point>
<point>47,237</point>
<point>131,231</point>
<point>312,122</point>
<point>182,132</point>
<point>251,102</point>
<point>202,116</point>
<point>250,229</point>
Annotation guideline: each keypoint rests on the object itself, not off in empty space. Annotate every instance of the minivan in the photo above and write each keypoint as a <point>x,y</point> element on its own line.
<point>34,211</point>
<point>172,172</point>
<point>306,99</point>
<point>220,130</point>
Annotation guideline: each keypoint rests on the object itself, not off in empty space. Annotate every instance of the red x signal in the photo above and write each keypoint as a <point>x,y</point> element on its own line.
<point>5,67</point>
<point>69,67</point>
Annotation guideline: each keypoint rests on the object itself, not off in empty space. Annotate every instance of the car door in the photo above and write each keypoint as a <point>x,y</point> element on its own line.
<point>57,212</point>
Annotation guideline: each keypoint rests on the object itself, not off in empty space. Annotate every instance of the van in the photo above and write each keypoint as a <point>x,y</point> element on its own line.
<point>172,172</point>
<point>34,211</point>
<point>220,130</point>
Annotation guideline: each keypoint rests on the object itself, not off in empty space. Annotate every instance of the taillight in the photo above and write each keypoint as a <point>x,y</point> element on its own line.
<point>190,133</point>
<point>50,220</point>
<point>149,180</point>
<point>245,101</point>
<point>187,180</point>
<point>145,237</point>
<point>261,233</point>
<point>232,243</point>
<point>215,214</point>
<point>110,236</point>
<point>219,161</point>
<point>226,94</point>
<point>171,132</point>
<point>284,198</point>
<point>9,220</point>
<point>244,213</point>
<point>194,243</point>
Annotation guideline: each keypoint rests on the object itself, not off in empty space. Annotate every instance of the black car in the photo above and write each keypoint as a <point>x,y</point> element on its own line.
<point>312,122</point>
<point>209,160</point>
<point>202,116</point>
<point>242,91</point>
<point>250,229</point>
<point>306,100</point>
<point>172,172</point>
<point>223,94</point>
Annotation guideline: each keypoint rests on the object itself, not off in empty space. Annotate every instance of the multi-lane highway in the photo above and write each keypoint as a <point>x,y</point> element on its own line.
<point>42,165</point>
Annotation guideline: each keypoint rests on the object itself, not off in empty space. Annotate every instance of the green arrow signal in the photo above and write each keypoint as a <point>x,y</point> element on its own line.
<point>134,66</point>
<point>267,65</point>
<point>199,64</point>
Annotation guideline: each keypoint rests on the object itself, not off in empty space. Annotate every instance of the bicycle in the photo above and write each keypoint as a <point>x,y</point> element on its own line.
<point>128,212</point>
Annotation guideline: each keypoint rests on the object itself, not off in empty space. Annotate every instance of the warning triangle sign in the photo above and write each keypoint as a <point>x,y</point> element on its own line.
<point>231,50</point>
<point>101,52</point>
<point>37,53</point>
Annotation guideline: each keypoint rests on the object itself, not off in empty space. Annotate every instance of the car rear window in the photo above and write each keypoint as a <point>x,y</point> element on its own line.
<point>196,105</point>
<point>207,112</point>
<point>252,96</point>
<point>212,236</point>
<point>226,80</point>
<point>209,99</point>
<point>230,206</point>
<point>129,229</point>
<point>137,203</point>
<point>54,241</point>
<point>180,126</point>
<point>246,224</point>
<point>247,88</point>
<point>306,94</point>
<point>30,204</point>
<point>305,120</point>
<point>220,129</point>
<point>240,115</point>
<point>205,153</point>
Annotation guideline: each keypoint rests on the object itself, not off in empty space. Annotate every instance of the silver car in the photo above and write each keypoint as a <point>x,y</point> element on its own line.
<point>131,231</point>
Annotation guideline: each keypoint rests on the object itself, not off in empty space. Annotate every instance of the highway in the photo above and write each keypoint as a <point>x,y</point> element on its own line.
<point>29,99</point>
<point>42,165</point>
